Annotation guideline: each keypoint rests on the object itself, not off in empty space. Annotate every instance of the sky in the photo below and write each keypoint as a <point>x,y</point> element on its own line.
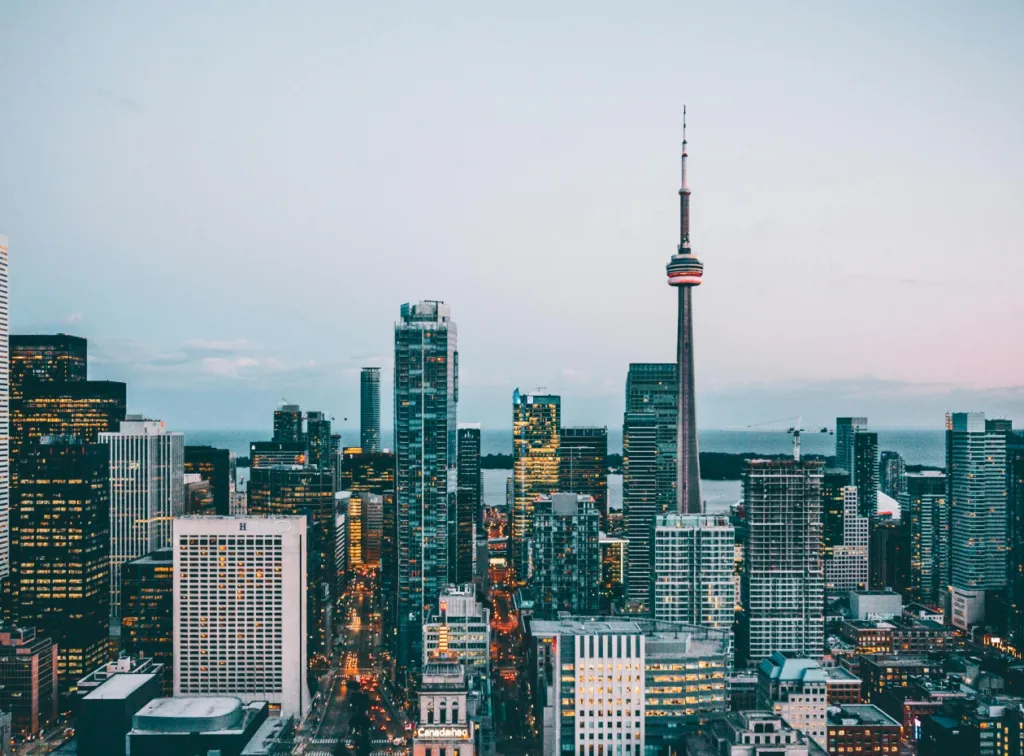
<point>232,200</point>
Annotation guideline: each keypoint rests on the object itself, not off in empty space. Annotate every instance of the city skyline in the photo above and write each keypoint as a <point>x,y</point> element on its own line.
<point>830,167</point>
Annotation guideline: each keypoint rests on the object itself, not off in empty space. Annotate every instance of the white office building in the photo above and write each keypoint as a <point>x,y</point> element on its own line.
<point>694,561</point>
<point>460,631</point>
<point>240,609</point>
<point>5,446</point>
<point>847,569</point>
<point>147,473</point>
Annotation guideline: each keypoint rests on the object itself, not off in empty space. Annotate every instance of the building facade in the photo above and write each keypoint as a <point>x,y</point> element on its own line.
<point>892,474</point>
<point>60,547</point>
<point>215,466</point>
<point>426,478</point>
<point>846,564</point>
<point>147,610</point>
<point>369,409</point>
<point>28,679</point>
<point>444,726</point>
<point>461,631</point>
<point>846,427</point>
<point>864,474</point>
<point>147,470</point>
<point>567,559</point>
<point>783,584</point>
<point>584,465</point>
<point>469,512</point>
<point>692,580</point>
<point>46,358</point>
<point>614,553</point>
<point>536,436</point>
<point>288,424</point>
<point>284,491</point>
<point>977,495</point>
<point>648,464</point>
<point>925,508</point>
<point>240,609</point>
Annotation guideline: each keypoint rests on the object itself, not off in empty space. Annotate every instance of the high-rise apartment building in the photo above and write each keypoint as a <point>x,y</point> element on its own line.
<point>284,491</point>
<point>147,464</point>
<point>567,559</point>
<point>977,496</point>
<point>369,409</point>
<point>1015,508</point>
<point>925,509</point>
<point>288,424</point>
<point>5,416</point>
<point>469,518</point>
<point>833,509</point>
<point>147,610</point>
<point>46,358</point>
<point>584,466</point>
<point>783,584</point>
<point>692,580</point>
<point>649,464</point>
<point>215,466</point>
<point>426,479</point>
<point>892,474</point>
<point>536,434</point>
<point>60,549</point>
<point>685,273</point>
<point>240,609</point>
<point>864,472</point>
<point>846,563</point>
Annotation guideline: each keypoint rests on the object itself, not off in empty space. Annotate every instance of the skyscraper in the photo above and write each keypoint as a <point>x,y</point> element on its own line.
<point>1015,509</point>
<point>649,464</point>
<point>369,409</point>
<point>584,465</point>
<point>426,392</point>
<point>977,495</point>
<point>692,579</point>
<point>536,436</point>
<point>147,470</point>
<point>318,439</point>
<point>846,563</point>
<point>74,408</point>
<point>892,474</point>
<point>833,509</point>
<point>567,557</point>
<point>293,491</point>
<point>685,271</point>
<point>60,547</point>
<point>46,358</point>
<point>925,508</point>
<point>5,414</point>
<point>147,610</point>
<point>783,583</point>
<point>288,424</point>
<point>864,470</point>
<point>215,466</point>
<point>469,519</point>
<point>845,428</point>
<point>240,609</point>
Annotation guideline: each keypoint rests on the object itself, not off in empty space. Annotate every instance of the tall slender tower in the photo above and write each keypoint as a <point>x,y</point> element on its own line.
<point>684,272</point>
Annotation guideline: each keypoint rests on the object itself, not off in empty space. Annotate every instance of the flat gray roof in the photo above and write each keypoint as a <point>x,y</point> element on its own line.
<point>119,686</point>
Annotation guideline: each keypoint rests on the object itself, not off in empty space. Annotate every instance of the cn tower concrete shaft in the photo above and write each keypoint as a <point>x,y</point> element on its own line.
<point>687,460</point>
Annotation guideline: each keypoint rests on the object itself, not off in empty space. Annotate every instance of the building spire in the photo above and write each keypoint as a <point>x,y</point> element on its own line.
<point>684,198</point>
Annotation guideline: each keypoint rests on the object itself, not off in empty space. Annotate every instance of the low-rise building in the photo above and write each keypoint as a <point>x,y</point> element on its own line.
<point>444,725</point>
<point>751,733</point>
<point>123,665</point>
<point>105,714</point>
<point>875,605</point>
<point>881,672</point>
<point>28,679</point>
<point>795,689</point>
<point>186,725</point>
<point>867,637</point>
<point>862,730</point>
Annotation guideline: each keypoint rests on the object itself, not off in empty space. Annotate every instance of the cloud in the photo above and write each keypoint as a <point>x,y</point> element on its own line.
<point>72,318</point>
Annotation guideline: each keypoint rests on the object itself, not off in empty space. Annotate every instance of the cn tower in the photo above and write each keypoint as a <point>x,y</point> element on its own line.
<point>685,272</point>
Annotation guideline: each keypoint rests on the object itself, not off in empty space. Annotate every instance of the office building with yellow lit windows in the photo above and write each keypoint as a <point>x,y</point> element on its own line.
<point>536,436</point>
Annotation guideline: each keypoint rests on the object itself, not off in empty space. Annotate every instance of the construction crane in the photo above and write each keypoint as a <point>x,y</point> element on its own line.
<point>794,431</point>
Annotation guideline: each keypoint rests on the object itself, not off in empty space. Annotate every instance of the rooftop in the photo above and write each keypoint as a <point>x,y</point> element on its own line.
<point>859,714</point>
<point>194,714</point>
<point>119,686</point>
<point>269,735</point>
<point>578,626</point>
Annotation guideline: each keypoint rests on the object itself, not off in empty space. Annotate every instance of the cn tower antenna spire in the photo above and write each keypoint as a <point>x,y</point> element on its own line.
<point>684,198</point>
